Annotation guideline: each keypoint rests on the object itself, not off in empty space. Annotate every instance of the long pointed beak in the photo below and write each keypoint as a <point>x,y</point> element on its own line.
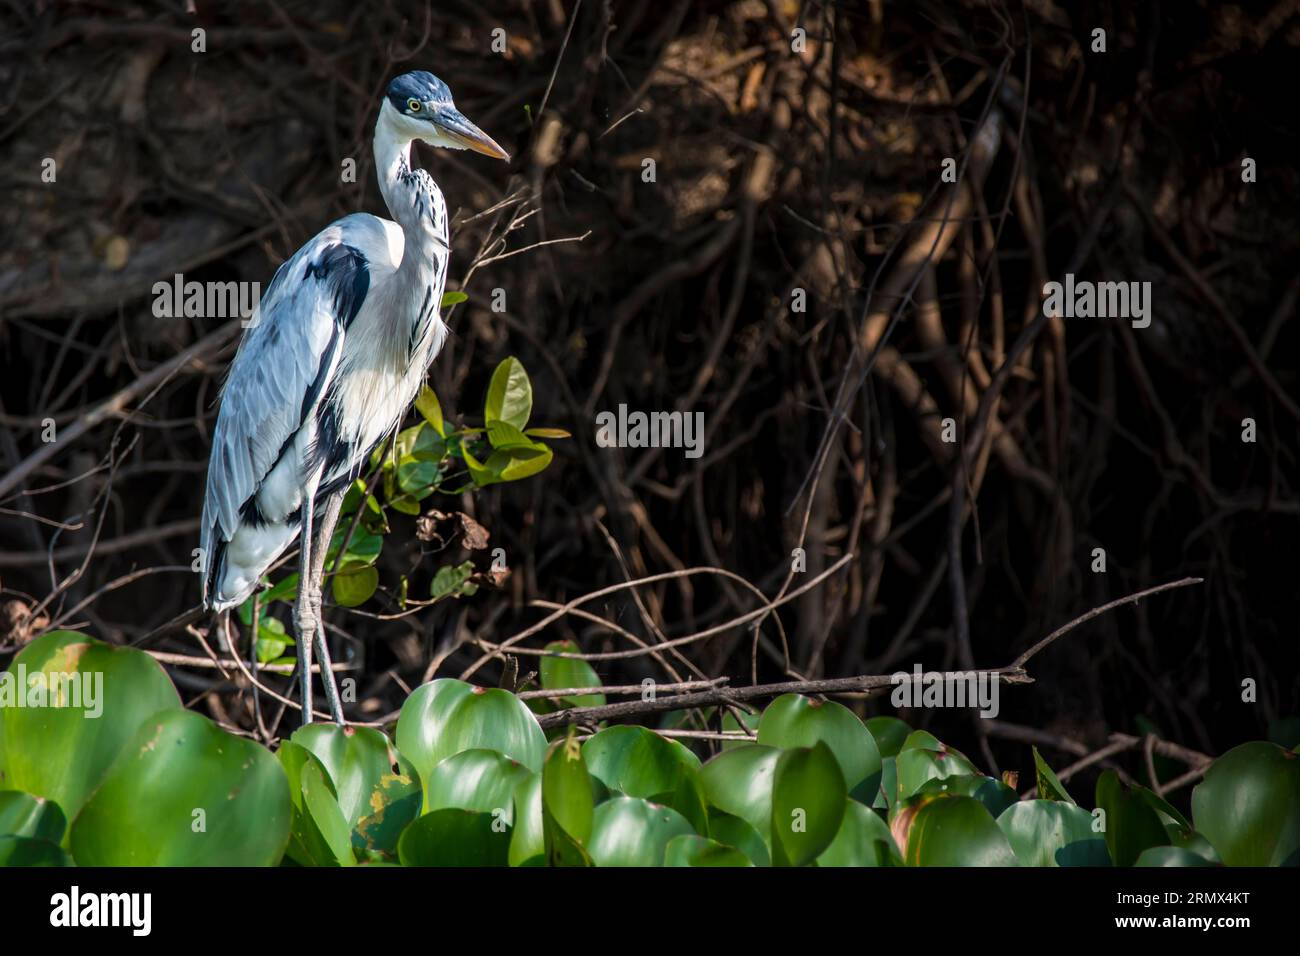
<point>457,126</point>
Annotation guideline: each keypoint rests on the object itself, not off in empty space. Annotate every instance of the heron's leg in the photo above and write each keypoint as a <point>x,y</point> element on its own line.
<point>326,520</point>
<point>304,611</point>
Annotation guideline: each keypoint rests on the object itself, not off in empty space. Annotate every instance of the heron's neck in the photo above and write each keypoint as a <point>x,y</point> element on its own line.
<point>413,199</point>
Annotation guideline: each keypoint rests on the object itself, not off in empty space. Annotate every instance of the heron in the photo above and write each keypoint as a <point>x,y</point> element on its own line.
<point>336,353</point>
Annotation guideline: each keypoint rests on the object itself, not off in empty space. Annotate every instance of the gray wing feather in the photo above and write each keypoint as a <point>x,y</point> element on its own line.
<point>280,373</point>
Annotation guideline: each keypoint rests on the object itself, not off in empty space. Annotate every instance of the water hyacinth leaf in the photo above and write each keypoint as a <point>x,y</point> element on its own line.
<point>808,795</point>
<point>889,734</point>
<point>863,839</point>
<point>994,794</point>
<point>62,752</point>
<point>377,789</point>
<point>733,831</point>
<point>455,837</point>
<point>637,761</point>
<point>445,717</point>
<point>1049,786</point>
<point>1170,856</point>
<point>481,780</point>
<point>509,395</point>
<point>559,673</point>
<point>956,831</point>
<point>746,723</point>
<point>1248,806</point>
<point>566,789</point>
<point>793,720</point>
<point>629,831</point>
<point>186,793</point>
<point>916,764</point>
<point>1053,833</point>
<point>739,782</point>
<point>29,851</point>
<point>318,833</point>
<point>691,849</point>
<point>1132,826</point>
<point>24,815</point>
<point>528,835</point>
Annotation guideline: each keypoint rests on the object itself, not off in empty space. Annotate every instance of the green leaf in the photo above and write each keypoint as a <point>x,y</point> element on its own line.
<point>430,409</point>
<point>318,833</point>
<point>808,795</point>
<point>566,789</point>
<point>1049,787</point>
<point>955,831</point>
<point>63,752</point>
<point>482,780</point>
<point>1132,825</point>
<point>739,782</point>
<point>863,839</point>
<point>546,433</point>
<point>23,815</point>
<point>733,831</point>
<point>528,837</point>
<point>1053,833</point>
<point>446,717</point>
<point>796,721</point>
<point>691,849</point>
<point>29,851</point>
<point>889,734</point>
<point>994,794</point>
<point>628,831</point>
<point>504,435</point>
<point>924,758</point>
<point>354,584</point>
<point>452,298</point>
<point>377,789</point>
<point>510,394</point>
<point>637,761</point>
<point>455,837</point>
<point>452,580</point>
<point>1248,806</point>
<point>557,673</point>
<point>1170,856</point>
<point>184,792</point>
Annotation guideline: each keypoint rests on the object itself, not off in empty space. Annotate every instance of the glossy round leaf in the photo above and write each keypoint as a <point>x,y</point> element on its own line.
<point>1053,833</point>
<point>319,834</point>
<point>956,831</point>
<point>628,831</point>
<point>528,835</point>
<point>735,832</point>
<point>186,793</point>
<point>918,762</point>
<point>557,673</point>
<point>62,753</point>
<point>446,717</point>
<point>793,720</point>
<point>482,780</point>
<point>1248,806</point>
<point>1132,825</point>
<point>24,815</point>
<point>1171,856</point>
<point>377,789</point>
<point>29,851</point>
<point>637,762</point>
<point>739,782</point>
<point>691,849</point>
<point>808,795</point>
<point>889,734</point>
<point>566,790</point>
<point>994,794</point>
<point>455,837</point>
<point>863,839</point>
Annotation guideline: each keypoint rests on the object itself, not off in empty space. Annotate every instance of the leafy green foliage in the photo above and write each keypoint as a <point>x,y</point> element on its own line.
<point>469,780</point>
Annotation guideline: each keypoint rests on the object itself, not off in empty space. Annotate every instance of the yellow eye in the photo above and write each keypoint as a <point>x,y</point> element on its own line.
<point>413,105</point>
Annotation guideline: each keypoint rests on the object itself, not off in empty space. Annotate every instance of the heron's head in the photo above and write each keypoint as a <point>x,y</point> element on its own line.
<point>418,105</point>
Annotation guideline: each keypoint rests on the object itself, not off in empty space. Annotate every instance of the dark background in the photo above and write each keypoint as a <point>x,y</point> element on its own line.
<point>774,171</point>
